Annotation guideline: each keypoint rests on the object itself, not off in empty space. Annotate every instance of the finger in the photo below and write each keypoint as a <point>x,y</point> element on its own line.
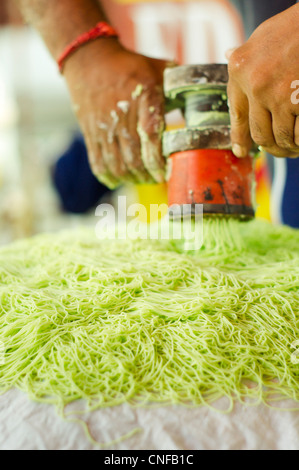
<point>260,124</point>
<point>240,131</point>
<point>113,158</point>
<point>277,152</point>
<point>107,180</point>
<point>284,129</point>
<point>101,172</point>
<point>98,167</point>
<point>130,149</point>
<point>273,133</point>
<point>109,143</point>
<point>267,132</point>
<point>129,142</point>
<point>150,129</point>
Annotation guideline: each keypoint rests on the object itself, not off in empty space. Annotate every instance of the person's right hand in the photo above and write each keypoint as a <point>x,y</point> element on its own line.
<point>118,99</point>
<point>262,76</point>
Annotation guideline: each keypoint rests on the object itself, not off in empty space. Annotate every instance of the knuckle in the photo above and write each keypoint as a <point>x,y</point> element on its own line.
<point>258,85</point>
<point>259,79</point>
<point>237,60</point>
<point>237,115</point>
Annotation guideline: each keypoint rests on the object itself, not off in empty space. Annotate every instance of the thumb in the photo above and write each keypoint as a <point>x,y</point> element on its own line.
<point>239,116</point>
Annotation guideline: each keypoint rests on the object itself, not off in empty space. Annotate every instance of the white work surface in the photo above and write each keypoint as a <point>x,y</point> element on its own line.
<point>28,425</point>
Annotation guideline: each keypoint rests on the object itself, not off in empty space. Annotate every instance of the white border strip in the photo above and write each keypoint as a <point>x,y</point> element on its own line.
<point>277,190</point>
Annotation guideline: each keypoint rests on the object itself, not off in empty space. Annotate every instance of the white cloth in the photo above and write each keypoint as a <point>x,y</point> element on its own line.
<point>28,425</point>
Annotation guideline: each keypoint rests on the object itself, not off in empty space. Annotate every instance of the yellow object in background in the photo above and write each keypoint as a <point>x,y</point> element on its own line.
<point>152,194</point>
<point>263,188</point>
<point>157,194</point>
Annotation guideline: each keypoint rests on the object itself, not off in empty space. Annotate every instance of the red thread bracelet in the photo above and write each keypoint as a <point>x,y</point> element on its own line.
<point>101,30</point>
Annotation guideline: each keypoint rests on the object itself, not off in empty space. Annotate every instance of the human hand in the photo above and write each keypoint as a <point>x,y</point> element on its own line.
<point>118,99</point>
<point>262,77</point>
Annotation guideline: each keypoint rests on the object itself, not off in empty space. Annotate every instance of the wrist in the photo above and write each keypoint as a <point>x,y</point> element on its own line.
<point>89,55</point>
<point>100,31</point>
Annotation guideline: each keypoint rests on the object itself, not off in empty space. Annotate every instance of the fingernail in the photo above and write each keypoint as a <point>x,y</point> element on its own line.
<point>240,151</point>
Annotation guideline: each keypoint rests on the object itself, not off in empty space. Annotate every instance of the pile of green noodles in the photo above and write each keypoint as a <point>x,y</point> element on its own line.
<point>143,321</point>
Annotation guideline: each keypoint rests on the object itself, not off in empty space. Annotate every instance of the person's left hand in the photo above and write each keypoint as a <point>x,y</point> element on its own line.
<point>263,89</point>
<point>119,101</point>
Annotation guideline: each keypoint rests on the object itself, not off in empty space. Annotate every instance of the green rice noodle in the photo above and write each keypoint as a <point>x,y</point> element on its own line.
<point>114,321</point>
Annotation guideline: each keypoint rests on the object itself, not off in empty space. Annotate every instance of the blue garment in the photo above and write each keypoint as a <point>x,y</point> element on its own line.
<point>255,12</point>
<point>290,199</point>
<point>77,187</point>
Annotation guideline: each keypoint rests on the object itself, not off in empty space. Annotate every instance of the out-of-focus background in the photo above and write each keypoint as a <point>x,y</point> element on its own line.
<point>37,125</point>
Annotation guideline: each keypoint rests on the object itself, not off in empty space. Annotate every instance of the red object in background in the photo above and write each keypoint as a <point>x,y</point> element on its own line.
<point>215,178</point>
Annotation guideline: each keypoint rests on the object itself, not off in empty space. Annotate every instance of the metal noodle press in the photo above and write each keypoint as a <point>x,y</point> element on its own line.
<point>202,167</point>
